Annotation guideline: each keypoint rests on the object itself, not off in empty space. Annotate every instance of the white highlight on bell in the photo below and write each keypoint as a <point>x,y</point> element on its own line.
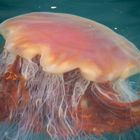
<point>53,7</point>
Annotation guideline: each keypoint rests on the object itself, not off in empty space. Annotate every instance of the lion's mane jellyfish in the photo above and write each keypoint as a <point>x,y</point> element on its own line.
<point>66,76</point>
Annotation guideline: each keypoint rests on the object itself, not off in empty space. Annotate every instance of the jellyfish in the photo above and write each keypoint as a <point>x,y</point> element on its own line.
<point>66,76</point>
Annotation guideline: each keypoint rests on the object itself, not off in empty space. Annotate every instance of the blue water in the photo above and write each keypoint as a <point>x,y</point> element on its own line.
<point>123,16</point>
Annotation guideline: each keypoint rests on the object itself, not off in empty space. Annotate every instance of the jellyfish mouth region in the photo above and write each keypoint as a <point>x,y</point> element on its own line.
<point>61,104</point>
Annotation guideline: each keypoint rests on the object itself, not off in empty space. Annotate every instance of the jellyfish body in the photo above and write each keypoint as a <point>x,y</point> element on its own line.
<point>65,75</point>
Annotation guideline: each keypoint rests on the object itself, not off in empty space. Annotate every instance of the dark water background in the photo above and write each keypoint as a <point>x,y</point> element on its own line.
<point>123,16</point>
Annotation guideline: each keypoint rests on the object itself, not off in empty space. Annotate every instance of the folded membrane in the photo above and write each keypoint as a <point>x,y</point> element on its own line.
<point>66,42</point>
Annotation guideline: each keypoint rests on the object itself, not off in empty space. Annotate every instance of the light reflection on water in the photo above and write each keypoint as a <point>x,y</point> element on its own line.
<point>123,16</point>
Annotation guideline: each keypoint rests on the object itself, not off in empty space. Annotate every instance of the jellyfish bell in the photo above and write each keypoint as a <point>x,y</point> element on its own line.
<point>44,32</point>
<point>65,75</point>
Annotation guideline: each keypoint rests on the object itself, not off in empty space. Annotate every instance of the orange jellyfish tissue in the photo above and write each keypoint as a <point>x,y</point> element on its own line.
<point>66,75</point>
